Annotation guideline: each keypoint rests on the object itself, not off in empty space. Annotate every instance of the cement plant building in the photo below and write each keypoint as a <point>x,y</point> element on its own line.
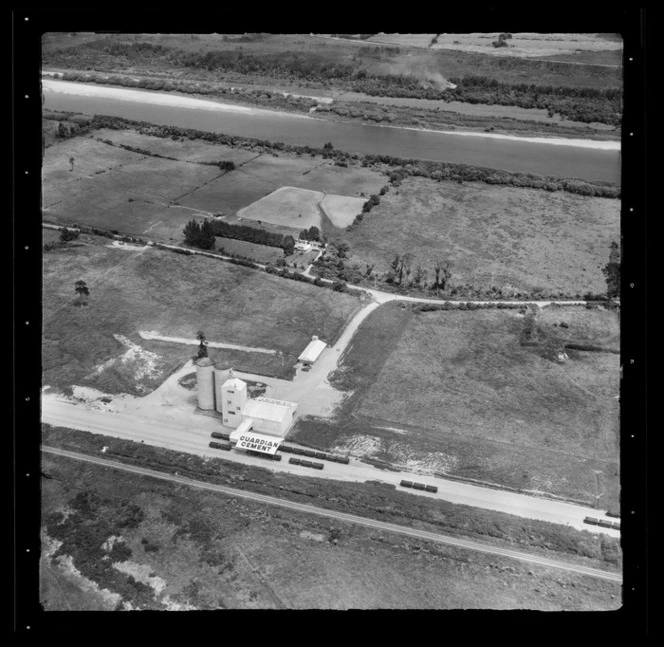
<point>219,390</point>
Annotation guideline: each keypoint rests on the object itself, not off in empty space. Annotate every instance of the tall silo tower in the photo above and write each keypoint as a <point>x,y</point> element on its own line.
<point>220,376</point>
<point>234,397</point>
<point>205,383</point>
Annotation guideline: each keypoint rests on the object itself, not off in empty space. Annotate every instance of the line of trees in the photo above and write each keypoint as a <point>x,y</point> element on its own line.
<point>203,235</point>
<point>313,233</point>
<point>401,269</point>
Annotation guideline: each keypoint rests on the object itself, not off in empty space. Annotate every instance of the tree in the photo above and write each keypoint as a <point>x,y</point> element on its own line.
<point>443,272</point>
<point>191,232</point>
<point>343,249</point>
<point>313,233</point>
<point>612,272</point>
<point>420,276</point>
<point>405,265</point>
<point>82,291</point>
<point>62,131</point>
<point>68,234</point>
<point>198,235</point>
<point>226,165</point>
<point>207,237</point>
<point>71,162</point>
<point>288,245</point>
<point>202,346</point>
<point>328,146</point>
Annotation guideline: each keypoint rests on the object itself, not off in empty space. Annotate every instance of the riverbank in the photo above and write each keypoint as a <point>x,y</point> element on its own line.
<point>354,108</point>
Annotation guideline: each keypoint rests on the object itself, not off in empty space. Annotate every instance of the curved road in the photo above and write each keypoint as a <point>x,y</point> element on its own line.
<point>341,516</point>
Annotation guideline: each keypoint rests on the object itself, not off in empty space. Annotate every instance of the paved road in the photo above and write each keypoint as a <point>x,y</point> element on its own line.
<point>177,429</point>
<point>340,516</point>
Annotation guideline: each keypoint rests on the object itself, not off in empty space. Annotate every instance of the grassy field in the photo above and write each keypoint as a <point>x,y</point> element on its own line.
<point>479,57</point>
<point>195,550</point>
<point>489,387</point>
<point>145,194</point>
<point>455,392</point>
<point>529,238</point>
<point>261,253</point>
<point>260,177</point>
<point>176,295</point>
<point>536,45</point>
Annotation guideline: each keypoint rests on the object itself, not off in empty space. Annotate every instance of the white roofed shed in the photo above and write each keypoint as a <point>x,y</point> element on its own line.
<point>269,416</point>
<point>313,350</point>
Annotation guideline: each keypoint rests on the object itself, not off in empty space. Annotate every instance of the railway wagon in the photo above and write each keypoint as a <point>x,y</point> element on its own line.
<point>225,446</point>
<point>591,520</point>
<point>406,484</point>
<point>419,486</point>
<point>431,488</point>
<point>220,434</point>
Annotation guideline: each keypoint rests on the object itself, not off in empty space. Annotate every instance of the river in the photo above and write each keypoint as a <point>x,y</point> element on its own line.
<point>582,160</point>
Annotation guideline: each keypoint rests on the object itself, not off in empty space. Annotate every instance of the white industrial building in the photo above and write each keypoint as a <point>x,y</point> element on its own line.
<point>313,350</point>
<point>221,391</point>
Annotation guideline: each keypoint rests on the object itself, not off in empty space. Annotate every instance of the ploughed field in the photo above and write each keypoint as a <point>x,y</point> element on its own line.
<point>507,237</point>
<point>136,289</point>
<point>148,193</point>
<point>456,392</point>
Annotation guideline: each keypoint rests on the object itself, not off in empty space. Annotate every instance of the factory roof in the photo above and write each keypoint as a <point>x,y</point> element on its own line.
<point>312,351</point>
<point>266,410</point>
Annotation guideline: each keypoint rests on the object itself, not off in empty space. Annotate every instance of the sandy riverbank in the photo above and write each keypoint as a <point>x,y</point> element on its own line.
<point>555,141</point>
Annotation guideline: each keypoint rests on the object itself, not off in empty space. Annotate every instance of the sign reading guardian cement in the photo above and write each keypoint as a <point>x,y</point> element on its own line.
<point>258,443</point>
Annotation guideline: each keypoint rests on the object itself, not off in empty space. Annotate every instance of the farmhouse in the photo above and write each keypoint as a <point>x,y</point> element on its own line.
<point>313,350</point>
<point>221,391</point>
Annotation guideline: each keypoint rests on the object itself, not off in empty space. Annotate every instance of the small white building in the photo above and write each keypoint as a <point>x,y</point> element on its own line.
<point>313,350</point>
<point>270,416</point>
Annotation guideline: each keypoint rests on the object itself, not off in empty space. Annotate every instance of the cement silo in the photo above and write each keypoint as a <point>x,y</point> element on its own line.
<point>205,383</point>
<point>220,376</point>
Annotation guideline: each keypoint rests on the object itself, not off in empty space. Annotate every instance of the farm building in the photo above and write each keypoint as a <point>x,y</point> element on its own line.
<point>313,350</point>
<point>220,390</point>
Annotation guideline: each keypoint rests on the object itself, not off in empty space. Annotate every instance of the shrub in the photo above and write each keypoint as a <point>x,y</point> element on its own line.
<point>68,234</point>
